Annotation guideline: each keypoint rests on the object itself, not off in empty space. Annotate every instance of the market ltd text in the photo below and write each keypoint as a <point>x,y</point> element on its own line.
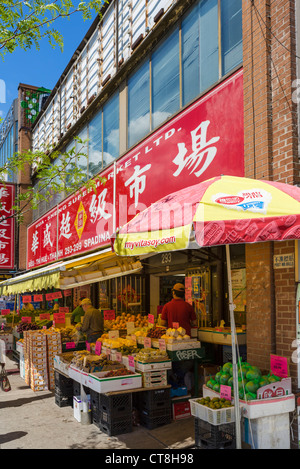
<point>153,458</point>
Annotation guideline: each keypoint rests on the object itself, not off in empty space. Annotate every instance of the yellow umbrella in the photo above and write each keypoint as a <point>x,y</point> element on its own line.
<point>223,210</point>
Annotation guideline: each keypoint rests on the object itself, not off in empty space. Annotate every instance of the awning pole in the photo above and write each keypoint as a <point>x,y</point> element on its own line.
<point>234,362</point>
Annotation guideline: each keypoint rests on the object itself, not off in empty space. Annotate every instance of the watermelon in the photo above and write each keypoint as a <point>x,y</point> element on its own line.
<point>226,367</point>
<point>263,381</point>
<point>252,386</point>
<point>224,378</point>
<point>210,384</point>
<point>216,387</point>
<point>249,396</point>
<point>273,379</point>
<point>218,376</point>
<point>230,382</point>
<point>253,373</point>
<point>243,371</point>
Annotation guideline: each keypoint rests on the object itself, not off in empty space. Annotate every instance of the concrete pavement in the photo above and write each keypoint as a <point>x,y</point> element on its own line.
<point>32,420</point>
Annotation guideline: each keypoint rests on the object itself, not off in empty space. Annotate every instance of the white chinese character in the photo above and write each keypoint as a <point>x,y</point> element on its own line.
<point>3,233</point>
<point>3,259</point>
<point>3,245</point>
<point>138,182</point>
<point>3,192</point>
<point>97,211</point>
<point>65,226</point>
<point>3,207</point>
<point>3,220</point>
<point>200,147</point>
<point>35,242</point>
<point>47,236</point>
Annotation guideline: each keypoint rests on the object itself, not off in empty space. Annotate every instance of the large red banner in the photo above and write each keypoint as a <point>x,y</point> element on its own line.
<point>7,226</point>
<point>202,141</point>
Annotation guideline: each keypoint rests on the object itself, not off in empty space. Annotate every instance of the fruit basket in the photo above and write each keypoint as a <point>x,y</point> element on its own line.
<point>213,416</point>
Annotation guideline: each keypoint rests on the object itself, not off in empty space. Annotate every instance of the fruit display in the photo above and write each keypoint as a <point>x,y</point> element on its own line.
<point>27,326</point>
<point>120,372</point>
<point>156,332</point>
<point>120,322</point>
<point>71,334</point>
<point>250,379</point>
<point>89,362</point>
<point>172,335</point>
<point>147,355</point>
<point>215,402</point>
<point>118,343</point>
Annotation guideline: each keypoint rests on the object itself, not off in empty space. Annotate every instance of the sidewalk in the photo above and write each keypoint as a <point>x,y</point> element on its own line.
<point>32,420</point>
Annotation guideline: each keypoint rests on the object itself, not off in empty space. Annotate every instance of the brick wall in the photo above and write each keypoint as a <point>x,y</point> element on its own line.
<point>271,152</point>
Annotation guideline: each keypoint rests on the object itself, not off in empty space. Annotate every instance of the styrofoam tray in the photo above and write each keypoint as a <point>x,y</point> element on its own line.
<point>97,382</point>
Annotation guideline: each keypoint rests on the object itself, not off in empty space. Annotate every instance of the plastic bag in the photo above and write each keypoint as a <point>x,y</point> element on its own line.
<point>4,381</point>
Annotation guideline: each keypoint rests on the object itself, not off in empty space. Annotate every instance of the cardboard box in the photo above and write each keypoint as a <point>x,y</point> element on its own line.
<point>153,366</point>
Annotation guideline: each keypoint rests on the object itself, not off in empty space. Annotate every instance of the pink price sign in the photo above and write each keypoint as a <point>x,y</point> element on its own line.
<point>64,309</point>
<point>151,318</point>
<point>279,366</point>
<point>4,312</point>
<point>26,318</point>
<point>109,314</point>
<point>225,392</point>
<point>98,347</point>
<point>38,298</point>
<point>59,318</point>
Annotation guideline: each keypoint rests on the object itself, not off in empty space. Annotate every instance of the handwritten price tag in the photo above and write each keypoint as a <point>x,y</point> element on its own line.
<point>44,316</point>
<point>162,344</point>
<point>118,357</point>
<point>26,318</point>
<point>225,392</point>
<point>279,366</point>
<point>37,297</point>
<point>147,342</point>
<point>151,318</point>
<point>26,298</point>
<point>98,347</point>
<point>175,325</point>
<point>59,318</point>
<point>131,364</point>
<point>5,311</point>
<point>64,309</point>
<point>70,345</point>
<point>109,314</point>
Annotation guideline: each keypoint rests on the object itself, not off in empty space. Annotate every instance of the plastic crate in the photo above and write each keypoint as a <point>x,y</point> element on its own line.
<point>208,436</point>
<point>154,399</point>
<point>61,400</point>
<point>114,426</point>
<point>154,419</point>
<point>62,383</point>
<point>213,416</point>
<point>116,405</point>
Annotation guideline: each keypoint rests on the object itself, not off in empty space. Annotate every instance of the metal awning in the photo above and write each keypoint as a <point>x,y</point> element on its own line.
<point>83,270</point>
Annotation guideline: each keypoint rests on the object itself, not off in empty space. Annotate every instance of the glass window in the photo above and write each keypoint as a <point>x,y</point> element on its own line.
<point>209,44</point>
<point>95,145</point>
<point>190,56</point>
<point>139,104</point>
<point>231,24</point>
<point>82,151</point>
<point>111,130</point>
<point>165,79</point>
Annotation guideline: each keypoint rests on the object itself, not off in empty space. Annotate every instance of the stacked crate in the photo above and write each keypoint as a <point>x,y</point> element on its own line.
<point>112,414</point>
<point>154,407</point>
<point>63,390</point>
<point>54,347</point>
<point>36,363</point>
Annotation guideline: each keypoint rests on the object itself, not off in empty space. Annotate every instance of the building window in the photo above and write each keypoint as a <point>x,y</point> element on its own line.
<point>139,104</point>
<point>111,130</point>
<point>231,34</point>
<point>95,145</point>
<point>165,79</point>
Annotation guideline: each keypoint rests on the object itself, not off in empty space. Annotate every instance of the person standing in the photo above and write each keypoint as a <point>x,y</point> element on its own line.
<point>78,312</point>
<point>178,310</point>
<point>93,323</point>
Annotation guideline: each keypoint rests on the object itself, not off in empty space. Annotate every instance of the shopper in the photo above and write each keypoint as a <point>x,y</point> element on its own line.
<point>78,312</point>
<point>178,310</point>
<point>27,307</point>
<point>93,324</point>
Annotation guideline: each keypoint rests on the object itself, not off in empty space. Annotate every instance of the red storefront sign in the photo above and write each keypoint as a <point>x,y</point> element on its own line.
<point>204,140</point>
<point>7,226</point>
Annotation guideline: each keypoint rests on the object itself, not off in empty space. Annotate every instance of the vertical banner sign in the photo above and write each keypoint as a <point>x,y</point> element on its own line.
<point>199,143</point>
<point>7,226</point>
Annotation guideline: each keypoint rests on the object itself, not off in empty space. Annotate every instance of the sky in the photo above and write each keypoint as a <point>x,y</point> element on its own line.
<point>42,67</point>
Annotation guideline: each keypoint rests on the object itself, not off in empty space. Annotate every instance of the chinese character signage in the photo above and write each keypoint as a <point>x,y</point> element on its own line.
<point>203,141</point>
<point>7,226</point>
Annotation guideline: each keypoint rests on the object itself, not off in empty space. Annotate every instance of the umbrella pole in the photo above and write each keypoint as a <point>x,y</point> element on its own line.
<point>234,362</point>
